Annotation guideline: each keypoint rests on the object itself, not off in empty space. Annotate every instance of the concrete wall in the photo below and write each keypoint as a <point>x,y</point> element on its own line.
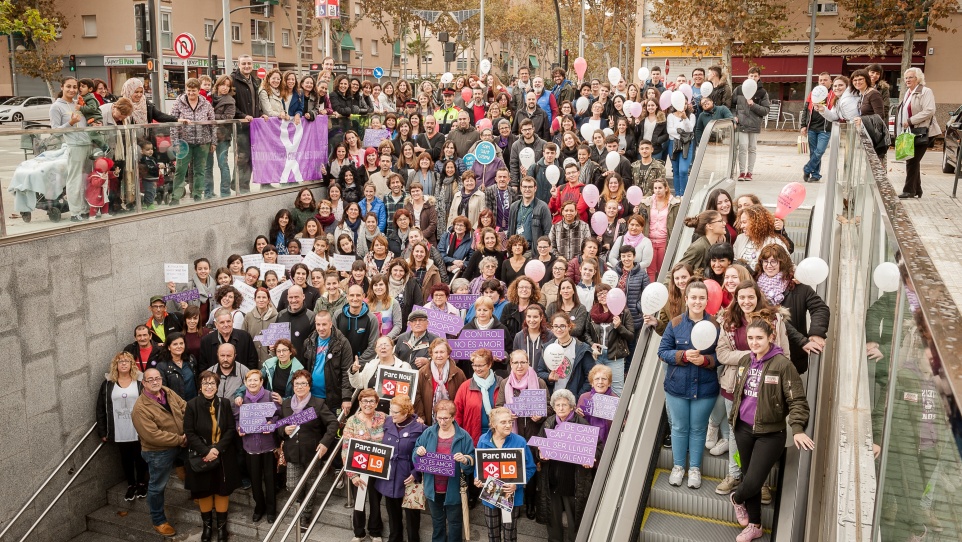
<point>68,304</point>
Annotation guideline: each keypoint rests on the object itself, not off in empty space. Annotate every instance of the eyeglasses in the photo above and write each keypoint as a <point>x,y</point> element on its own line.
<point>518,363</point>
<point>770,262</point>
<point>152,380</point>
<point>717,221</point>
<point>158,306</point>
<point>298,384</point>
<point>394,412</point>
<point>282,350</point>
<point>369,402</point>
<point>442,419</point>
<point>212,385</point>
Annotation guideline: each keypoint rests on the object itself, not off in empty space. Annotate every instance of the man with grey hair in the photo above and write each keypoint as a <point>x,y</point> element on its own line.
<point>244,347</point>
<point>248,107</point>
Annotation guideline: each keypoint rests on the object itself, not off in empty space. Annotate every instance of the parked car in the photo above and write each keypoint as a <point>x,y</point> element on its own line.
<point>23,108</point>
<point>950,148</point>
<point>892,111</point>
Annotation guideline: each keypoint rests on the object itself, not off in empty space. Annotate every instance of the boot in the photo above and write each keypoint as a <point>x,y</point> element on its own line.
<point>222,526</point>
<point>207,519</point>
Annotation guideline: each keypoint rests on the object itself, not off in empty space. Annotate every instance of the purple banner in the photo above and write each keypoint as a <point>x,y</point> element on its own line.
<point>442,323</point>
<point>568,442</point>
<point>602,406</point>
<point>273,333</point>
<point>530,403</point>
<point>284,152</point>
<point>471,340</point>
<point>183,297</point>
<point>462,301</point>
<point>440,464</point>
<point>254,416</point>
<point>298,418</point>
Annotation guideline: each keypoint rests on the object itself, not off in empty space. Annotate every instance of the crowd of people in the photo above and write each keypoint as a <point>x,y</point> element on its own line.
<point>418,225</point>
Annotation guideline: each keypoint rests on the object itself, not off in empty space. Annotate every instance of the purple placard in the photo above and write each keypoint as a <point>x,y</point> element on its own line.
<point>441,323</point>
<point>183,297</point>
<point>273,333</point>
<point>253,417</point>
<point>373,138</point>
<point>602,406</point>
<point>471,340</point>
<point>530,403</point>
<point>462,301</point>
<point>298,418</point>
<point>568,442</point>
<point>440,464</point>
<point>285,152</point>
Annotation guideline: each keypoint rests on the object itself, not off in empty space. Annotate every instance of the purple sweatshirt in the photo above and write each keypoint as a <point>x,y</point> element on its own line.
<point>602,424</point>
<point>746,410</point>
<point>256,443</point>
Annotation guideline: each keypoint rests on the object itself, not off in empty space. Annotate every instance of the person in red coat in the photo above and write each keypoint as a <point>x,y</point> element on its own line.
<point>97,182</point>
<point>477,396</point>
<point>570,191</point>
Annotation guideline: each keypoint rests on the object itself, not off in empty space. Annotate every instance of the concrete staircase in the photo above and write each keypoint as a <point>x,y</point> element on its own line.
<point>122,520</point>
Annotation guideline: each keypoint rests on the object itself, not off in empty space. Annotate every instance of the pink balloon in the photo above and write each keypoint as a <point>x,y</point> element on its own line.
<point>591,195</point>
<point>636,109</point>
<point>616,301</point>
<point>484,124</point>
<point>791,196</point>
<point>634,195</point>
<point>665,101</point>
<point>534,269</point>
<point>599,222</point>
<point>686,90</point>
<point>714,296</point>
<point>466,94</point>
<point>581,66</point>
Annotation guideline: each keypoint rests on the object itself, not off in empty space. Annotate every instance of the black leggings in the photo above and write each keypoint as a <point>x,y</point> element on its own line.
<point>913,172</point>
<point>396,526</point>
<point>755,467</point>
<point>135,468</point>
<point>261,467</point>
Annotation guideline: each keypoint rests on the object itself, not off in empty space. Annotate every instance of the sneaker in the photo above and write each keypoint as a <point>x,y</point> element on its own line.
<point>748,176</point>
<point>357,539</point>
<point>741,513</point>
<point>131,493</point>
<point>151,207</point>
<point>694,478</point>
<point>720,448</point>
<point>749,533</point>
<point>711,437</point>
<point>677,474</point>
<point>741,176</point>
<point>375,539</point>
<point>667,443</point>
<point>141,491</point>
<point>728,485</point>
<point>246,483</point>
<point>766,495</point>
<point>77,218</point>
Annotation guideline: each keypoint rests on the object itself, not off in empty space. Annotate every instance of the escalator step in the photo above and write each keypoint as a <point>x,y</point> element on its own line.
<point>701,503</point>
<point>666,526</point>
<point>711,466</point>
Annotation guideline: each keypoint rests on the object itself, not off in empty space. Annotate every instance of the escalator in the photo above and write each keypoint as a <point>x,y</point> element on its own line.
<point>631,498</point>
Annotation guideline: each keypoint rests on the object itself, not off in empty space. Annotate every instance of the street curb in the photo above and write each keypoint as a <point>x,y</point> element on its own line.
<point>778,143</point>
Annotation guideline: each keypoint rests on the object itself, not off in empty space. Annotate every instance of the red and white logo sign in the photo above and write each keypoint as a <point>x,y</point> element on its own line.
<point>185,45</point>
<point>388,387</point>
<point>360,460</point>
<point>492,470</point>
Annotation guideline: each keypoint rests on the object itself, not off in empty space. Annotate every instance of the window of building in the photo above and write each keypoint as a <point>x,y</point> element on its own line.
<point>824,7</point>
<point>358,47</point>
<point>236,32</point>
<point>166,30</point>
<point>262,38</point>
<point>209,30</point>
<point>463,62</point>
<point>357,10</point>
<point>90,26</point>
<point>373,47</point>
<point>286,38</point>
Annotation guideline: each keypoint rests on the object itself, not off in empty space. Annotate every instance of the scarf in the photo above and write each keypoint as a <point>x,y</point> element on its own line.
<point>297,405</point>
<point>256,398</point>
<point>325,221</point>
<point>440,380</point>
<point>282,366</point>
<point>353,226</point>
<point>369,237</point>
<point>601,315</point>
<point>772,287</point>
<point>465,200</point>
<point>140,108</point>
<point>633,240</point>
<point>528,382</point>
<point>623,280</point>
<point>215,425</point>
<point>395,287</point>
<point>485,385</point>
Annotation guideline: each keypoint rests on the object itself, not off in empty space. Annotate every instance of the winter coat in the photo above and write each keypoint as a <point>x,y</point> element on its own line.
<point>175,381</point>
<point>271,103</point>
<point>717,112</point>
<point>424,399</point>
<point>722,95</point>
<point>583,363</point>
<point>923,111</point>
<point>637,282</point>
<point>244,350</point>
<point>247,102</point>
<point>159,429</point>
<point>333,307</point>
<point>568,192</point>
<point>257,443</point>
<point>799,300</point>
<point>105,408</point>
<point>302,324</point>
<point>683,379</point>
<point>540,219</point>
<point>428,219</point>
<point>336,369</point>
<point>645,179</point>
<point>559,479</point>
<point>469,405</point>
<point>364,378</point>
<point>579,317</point>
<point>343,106</point>
<point>539,172</point>
<point>486,442</point>
<point>673,204</point>
<point>463,139</point>
<point>450,252</point>
<point>616,339</point>
<point>659,136</point>
<point>567,238</point>
<point>404,439</point>
<point>225,108</point>
<point>255,323</point>
<point>751,117</point>
<point>461,444</point>
<point>197,134</point>
<point>514,164</point>
<point>198,427</point>
<point>475,206</point>
<point>301,447</point>
<point>780,395</point>
<point>377,207</point>
<point>540,120</point>
<point>270,367</point>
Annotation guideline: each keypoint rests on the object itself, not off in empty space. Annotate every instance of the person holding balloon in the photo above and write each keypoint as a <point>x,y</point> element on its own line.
<point>751,109</point>
<point>571,191</point>
<point>758,230</point>
<point>691,380</point>
<point>681,126</point>
<point>566,360</point>
<point>610,331</point>
<point>658,300</point>
<point>608,226</point>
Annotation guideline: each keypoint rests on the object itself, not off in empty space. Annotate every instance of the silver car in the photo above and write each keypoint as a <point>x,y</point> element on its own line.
<point>22,108</point>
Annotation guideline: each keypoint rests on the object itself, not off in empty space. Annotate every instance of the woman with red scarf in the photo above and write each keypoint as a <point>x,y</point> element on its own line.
<point>455,245</point>
<point>609,335</point>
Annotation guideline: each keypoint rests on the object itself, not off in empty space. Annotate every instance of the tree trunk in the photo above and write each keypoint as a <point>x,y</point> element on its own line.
<point>52,88</point>
<point>907,43</point>
<point>727,58</point>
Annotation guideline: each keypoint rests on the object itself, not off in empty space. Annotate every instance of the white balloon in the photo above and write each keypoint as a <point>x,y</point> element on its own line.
<point>703,335</point>
<point>526,156</point>
<point>819,94</point>
<point>610,278</point>
<point>654,298</point>
<point>552,173</point>
<point>749,88</point>
<point>608,131</point>
<point>678,101</point>
<point>887,277</point>
<point>553,355</point>
<point>581,104</point>
<point>447,78</point>
<point>612,159</point>
<point>586,131</point>
<point>811,271</point>
<point>706,89</point>
<point>643,74</point>
<point>485,66</point>
<point>614,76</point>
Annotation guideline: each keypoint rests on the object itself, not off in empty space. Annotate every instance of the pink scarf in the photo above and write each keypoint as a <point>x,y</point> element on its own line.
<point>529,382</point>
<point>633,240</point>
<point>297,405</point>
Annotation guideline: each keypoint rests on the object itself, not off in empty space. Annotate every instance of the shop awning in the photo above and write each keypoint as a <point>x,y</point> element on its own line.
<point>347,42</point>
<point>786,69</point>
<point>533,61</point>
<point>887,62</point>
<point>397,48</point>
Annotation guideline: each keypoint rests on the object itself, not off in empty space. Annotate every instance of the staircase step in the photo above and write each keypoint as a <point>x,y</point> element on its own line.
<point>702,502</point>
<point>91,536</point>
<point>664,526</point>
<point>711,466</point>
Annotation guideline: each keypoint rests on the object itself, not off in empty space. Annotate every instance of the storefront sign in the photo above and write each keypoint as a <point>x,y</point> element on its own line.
<point>113,61</point>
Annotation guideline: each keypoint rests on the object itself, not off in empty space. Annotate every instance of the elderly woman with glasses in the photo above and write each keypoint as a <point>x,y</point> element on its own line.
<point>401,430</point>
<point>501,435</point>
<point>366,424</point>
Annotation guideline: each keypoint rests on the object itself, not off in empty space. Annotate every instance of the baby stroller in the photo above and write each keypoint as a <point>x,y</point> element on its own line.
<point>38,183</point>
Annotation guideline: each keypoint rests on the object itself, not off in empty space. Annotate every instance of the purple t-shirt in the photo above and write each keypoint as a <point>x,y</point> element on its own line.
<point>746,410</point>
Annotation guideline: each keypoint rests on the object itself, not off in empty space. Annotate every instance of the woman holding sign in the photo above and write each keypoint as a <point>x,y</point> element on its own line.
<point>600,378</point>
<point>366,376</point>
<point>501,436</point>
<point>402,430</point>
<point>366,424</point>
<point>610,331</point>
<point>262,315</point>
<point>260,450</point>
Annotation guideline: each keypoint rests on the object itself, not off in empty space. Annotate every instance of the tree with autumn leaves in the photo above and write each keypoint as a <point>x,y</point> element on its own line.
<point>38,23</point>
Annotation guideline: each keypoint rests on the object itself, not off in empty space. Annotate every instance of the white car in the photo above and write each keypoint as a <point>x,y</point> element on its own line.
<point>23,108</point>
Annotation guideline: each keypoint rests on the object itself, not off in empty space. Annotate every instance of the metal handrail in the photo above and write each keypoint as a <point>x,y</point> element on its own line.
<point>47,481</point>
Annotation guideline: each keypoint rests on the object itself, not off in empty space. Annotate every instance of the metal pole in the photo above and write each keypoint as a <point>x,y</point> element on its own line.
<point>327,37</point>
<point>958,168</point>
<point>811,51</point>
<point>157,53</point>
<point>482,30</point>
<point>581,36</point>
<point>557,12</point>
<point>227,39</point>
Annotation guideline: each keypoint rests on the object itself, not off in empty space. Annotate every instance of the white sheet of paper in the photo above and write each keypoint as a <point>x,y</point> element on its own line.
<point>313,261</point>
<point>247,293</point>
<point>343,262</point>
<point>252,260</point>
<point>279,290</point>
<point>361,499</point>
<point>505,516</point>
<point>288,260</point>
<point>307,245</point>
<point>176,272</point>
<point>276,267</point>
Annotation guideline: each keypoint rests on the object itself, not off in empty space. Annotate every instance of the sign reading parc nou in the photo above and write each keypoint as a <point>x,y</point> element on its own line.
<point>369,458</point>
<point>392,382</point>
<point>506,464</point>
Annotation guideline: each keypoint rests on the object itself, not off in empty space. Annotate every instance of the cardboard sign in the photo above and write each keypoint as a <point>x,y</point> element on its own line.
<point>343,262</point>
<point>254,416</point>
<point>252,260</point>
<point>441,323</point>
<point>471,340</point>
<point>313,261</point>
<point>506,464</point>
<point>439,464</point>
<point>307,245</point>
<point>273,333</point>
<point>568,442</point>
<point>277,268</point>
<point>462,301</point>
<point>372,138</point>
<point>298,418</point>
<point>183,297</point>
<point>289,260</point>
<point>530,403</point>
<point>247,293</point>
<point>176,272</point>
<point>369,458</point>
<point>390,382</point>
<point>277,291</point>
<point>492,492</point>
<point>602,406</point>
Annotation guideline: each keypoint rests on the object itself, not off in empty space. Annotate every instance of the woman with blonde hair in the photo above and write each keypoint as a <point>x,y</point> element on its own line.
<point>118,393</point>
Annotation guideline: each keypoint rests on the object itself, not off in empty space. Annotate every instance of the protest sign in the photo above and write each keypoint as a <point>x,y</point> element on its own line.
<point>175,272</point>
<point>307,245</point>
<point>313,261</point>
<point>508,464</point>
<point>278,290</point>
<point>441,323</point>
<point>343,262</point>
<point>247,295</point>
<point>439,464</point>
<point>530,403</point>
<point>569,443</point>
<point>277,268</point>
<point>391,382</point>
<point>183,297</point>
<point>369,458</point>
<point>492,492</point>
<point>254,416</point>
<point>273,333</point>
<point>372,138</point>
<point>298,418</point>
<point>471,340</point>
<point>287,152</point>
<point>462,301</point>
<point>252,260</point>
<point>288,260</point>
<point>602,406</point>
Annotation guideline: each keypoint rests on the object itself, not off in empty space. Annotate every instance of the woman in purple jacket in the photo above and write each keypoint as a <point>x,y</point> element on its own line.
<point>260,450</point>
<point>401,430</point>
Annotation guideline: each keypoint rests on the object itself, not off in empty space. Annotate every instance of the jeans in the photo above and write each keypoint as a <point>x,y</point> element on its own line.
<point>756,466</point>
<point>149,188</point>
<point>197,157</point>
<point>747,144</point>
<point>446,520</point>
<point>719,418</point>
<point>221,154</point>
<point>817,143</point>
<point>689,423</point>
<point>617,367</point>
<point>679,168</point>
<point>159,465</point>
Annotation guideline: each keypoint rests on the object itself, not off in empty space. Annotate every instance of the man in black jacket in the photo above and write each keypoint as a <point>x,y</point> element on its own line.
<point>431,140</point>
<point>247,108</point>
<point>244,349</point>
<point>328,357</point>
<point>162,323</point>
<point>145,351</point>
<point>412,346</point>
<point>300,318</point>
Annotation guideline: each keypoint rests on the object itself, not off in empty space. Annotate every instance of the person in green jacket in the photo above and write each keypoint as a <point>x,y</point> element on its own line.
<point>710,111</point>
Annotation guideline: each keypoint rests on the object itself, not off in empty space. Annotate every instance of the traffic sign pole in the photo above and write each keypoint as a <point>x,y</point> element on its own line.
<point>378,73</point>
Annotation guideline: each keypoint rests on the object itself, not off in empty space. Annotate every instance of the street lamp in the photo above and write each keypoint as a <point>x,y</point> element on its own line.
<point>264,43</point>
<point>812,33</point>
<point>360,57</point>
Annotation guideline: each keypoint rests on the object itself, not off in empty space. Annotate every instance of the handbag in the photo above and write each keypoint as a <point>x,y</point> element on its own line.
<point>413,496</point>
<point>921,135</point>
<point>905,146</point>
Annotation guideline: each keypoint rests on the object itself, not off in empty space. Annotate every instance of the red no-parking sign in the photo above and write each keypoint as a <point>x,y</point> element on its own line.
<point>184,45</point>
